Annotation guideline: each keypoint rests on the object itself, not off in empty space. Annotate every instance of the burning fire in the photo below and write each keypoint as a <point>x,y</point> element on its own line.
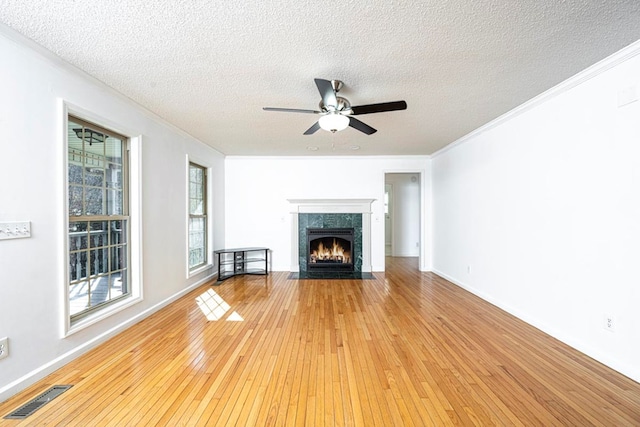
<point>335,254</point>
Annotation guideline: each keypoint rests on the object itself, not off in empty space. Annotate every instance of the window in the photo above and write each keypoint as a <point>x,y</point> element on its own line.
<point>98,218</point>
<point>197,216</point>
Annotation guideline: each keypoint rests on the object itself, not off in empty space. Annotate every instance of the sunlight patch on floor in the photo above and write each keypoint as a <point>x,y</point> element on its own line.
<point>212,305</point>
<point>235,317</point>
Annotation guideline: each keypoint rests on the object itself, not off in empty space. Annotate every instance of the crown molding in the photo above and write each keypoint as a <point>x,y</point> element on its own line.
<point>583,76</point>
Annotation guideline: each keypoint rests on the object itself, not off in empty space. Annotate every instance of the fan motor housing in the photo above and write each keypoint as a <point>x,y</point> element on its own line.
<point>343,105</point>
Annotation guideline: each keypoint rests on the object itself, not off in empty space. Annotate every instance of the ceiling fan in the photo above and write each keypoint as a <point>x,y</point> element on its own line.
<point>337,113</point>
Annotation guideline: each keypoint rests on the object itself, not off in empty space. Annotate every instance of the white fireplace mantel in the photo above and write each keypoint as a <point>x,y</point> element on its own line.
<point>362,206</point>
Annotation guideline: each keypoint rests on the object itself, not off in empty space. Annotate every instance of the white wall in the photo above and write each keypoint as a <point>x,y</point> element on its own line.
<point>32,284</point>
<point>539,213</point>
<point>257,190</point>
<point>405,213</point>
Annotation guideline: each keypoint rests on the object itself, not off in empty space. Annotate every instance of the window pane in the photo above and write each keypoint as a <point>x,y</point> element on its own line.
<point>75,139</point>
<point>77,240</point>
<point>99,290</point>
<point>114,176</point>
<point>196,206</point>
<point>118,258</point>
<point>124,280</point>
<point>78,227</point>
<point>94,177</point>
<point>77,266</point>
<point>75,173</point>
<point>118,232</point>
<point>114,202</point>
<point>196,241</point>
<point>113,149</point>
<point>194,258</point>
<point>94,160</point>
<point>98,234</point>
<point>75,155</point>
<point>94,201</point>
<point>98,262</point>
<point>75,200</point>
<point>196,225</point>
<point>78,297</point>
<point>117,286</point>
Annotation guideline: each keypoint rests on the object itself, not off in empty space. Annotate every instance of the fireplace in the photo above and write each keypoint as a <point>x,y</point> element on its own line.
<point>331,213</point>
<point>330,249</point>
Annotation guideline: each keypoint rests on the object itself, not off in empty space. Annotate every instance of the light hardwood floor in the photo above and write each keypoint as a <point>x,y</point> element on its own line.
<point>407,348</point>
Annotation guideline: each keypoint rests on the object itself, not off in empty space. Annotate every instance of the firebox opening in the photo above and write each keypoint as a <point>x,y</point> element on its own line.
<point>330,249</point>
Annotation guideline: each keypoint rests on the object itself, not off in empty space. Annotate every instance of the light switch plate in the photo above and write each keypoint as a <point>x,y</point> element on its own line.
<point>15,230</point>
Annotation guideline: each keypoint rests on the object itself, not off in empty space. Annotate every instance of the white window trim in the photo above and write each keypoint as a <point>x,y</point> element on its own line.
<point>209,197</point>
<point>135,218</point>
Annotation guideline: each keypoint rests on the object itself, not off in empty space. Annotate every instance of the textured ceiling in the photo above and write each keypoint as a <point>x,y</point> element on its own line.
<point>209,67</point>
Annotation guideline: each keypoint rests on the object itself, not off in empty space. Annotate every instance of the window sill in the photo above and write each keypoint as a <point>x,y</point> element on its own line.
<point>199,270</point>
<point>101,315</point>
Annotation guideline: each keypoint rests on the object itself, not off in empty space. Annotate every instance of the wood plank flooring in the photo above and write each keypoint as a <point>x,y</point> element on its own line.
<point>404,349</point>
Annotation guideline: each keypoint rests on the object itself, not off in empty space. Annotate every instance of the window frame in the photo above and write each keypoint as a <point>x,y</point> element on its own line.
<point>195,269</point>
<point>132,152</point>
<point>105,217</point>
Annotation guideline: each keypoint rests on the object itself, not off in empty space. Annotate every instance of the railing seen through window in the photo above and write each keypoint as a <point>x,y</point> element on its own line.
<point>98,218</point>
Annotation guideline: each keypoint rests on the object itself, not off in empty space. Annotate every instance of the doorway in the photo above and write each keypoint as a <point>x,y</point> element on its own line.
<point>402,204</point>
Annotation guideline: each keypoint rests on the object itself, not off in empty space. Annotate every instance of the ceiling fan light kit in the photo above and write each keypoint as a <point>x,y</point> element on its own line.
<point>336,111</point>
<point>334,122</point>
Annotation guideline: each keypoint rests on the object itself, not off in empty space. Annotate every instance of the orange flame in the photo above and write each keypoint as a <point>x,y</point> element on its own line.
<point>336,253</point>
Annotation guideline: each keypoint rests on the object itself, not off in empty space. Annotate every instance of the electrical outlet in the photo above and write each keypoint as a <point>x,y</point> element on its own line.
<point>609,323</point>
<point>4,348</point>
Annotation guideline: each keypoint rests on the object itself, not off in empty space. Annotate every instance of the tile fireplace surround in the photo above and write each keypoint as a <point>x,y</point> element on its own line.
<point>324,221</point>
<point>331,206</point>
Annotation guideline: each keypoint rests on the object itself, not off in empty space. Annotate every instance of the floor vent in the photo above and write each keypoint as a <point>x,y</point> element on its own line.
<point>32,406</point>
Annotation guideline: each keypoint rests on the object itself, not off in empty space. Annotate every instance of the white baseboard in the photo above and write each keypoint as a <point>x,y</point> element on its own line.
<point>630,371</point>
<point>37,374</point>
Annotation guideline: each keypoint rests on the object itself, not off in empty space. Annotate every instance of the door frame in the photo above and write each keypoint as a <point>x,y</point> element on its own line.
<point>391,218</point>
<point>424,263</point>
